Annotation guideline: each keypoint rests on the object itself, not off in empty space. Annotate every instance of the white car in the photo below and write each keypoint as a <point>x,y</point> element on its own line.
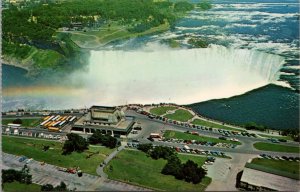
<point>28,160</point>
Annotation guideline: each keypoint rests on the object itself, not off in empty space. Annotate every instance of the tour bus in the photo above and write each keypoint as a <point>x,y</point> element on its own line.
<point>54,129</point>
<point>72,119</point>
<point>13,125</point>
<point>48,123</point>
<point>62,123</point>
<point>45,118</point>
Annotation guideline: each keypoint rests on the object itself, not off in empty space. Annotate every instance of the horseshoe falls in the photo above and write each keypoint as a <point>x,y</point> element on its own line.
<point>179,76</point>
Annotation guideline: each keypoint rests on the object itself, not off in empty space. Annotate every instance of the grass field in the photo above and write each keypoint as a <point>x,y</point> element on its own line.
<point>277,137</point>
<point>180,115</point>
<point>161,110</point>
<point>33,149</point>
<point>25,122</point>
<point>17,187</point>
<point>47,59</point>
<point>213,125</point>
<point>93,39</point>
<point>287,166</point>
<point>276,147</point>
<point>136,168</point>
<point>187,136</point>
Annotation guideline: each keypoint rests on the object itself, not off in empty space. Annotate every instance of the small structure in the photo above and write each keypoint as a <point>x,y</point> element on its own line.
<point>256,179</point>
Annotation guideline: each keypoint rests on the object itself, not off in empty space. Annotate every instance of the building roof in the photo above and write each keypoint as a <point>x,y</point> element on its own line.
<point>104,108</point>
<point>269,180</point>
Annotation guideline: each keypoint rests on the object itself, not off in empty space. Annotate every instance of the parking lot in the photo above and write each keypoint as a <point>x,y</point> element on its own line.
<point>38,133</point>
<point>50,174</point>
<point>204,143</point>
<point>185,149</point>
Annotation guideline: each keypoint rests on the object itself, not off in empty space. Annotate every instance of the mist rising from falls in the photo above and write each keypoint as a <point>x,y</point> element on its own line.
<point>153,74</point>
<point>175,75</point>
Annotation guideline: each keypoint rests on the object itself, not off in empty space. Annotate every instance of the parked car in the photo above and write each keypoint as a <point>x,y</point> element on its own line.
<point>23,158</point>
<point>285,158</point>
<point>28,160</point>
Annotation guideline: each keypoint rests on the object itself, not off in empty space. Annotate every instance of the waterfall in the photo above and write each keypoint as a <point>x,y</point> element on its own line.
<point>152,75</point>
<point>160,74</point>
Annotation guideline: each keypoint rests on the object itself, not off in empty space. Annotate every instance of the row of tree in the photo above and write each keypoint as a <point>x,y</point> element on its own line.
<point>49,187</point>
<point>77,143</point>
<point>189,171</point>
<point>106,140</point>
<point>294,133</point>
<point>11,175</point>
<point>23,176</point>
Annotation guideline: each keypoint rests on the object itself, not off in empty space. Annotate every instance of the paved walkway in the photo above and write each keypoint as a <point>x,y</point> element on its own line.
<point>100,170</point>
<point>49,174</point>
<point>224,171</point>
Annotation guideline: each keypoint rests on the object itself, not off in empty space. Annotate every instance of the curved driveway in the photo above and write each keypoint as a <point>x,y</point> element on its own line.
<point>223,172</point>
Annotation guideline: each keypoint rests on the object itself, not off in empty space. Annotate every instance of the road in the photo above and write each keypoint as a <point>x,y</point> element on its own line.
<point>49,174</point>
<point>223,177</point>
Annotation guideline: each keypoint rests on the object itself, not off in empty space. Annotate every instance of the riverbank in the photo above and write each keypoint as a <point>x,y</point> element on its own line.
<point>14,64</point>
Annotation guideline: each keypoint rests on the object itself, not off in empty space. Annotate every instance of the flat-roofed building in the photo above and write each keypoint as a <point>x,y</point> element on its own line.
<point>109,120</point>
<point>256,179</point>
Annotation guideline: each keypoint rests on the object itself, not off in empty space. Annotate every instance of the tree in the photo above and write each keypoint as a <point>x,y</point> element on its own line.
<point>162,152</point>
<point>96,137</point>
<point>22,176</point>
<point>47,187</point>
<point>106,140</point>
<point>17,121</point>
<point>173,167</point>
<point>74,143</point>
<point>145,147</point>
<point>61,187</point>
<point>253,125</point>
<point>46,148</point>
<point>25,176</point>
<point>193,173</point>
<point>10,175</point>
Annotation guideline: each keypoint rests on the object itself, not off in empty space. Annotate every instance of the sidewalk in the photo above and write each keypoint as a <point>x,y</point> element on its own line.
<point>100,170</point>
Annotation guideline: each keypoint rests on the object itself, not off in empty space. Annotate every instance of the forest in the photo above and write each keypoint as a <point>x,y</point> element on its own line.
<point>35,28</point>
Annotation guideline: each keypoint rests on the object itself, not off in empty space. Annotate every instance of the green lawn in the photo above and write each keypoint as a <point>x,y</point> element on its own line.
<point>287,166</point>
<point>109,34</point>
<point>17,187</point>
<point>180,115</point>
<point>186,136</point>
<point>25,122</point>
<point>161,110</point>
<point>137,168</point>
<point>277,137</point>
<point>33,149</point>
<point>213,125</point>
<point>48,59</point>
<point>276,147</point>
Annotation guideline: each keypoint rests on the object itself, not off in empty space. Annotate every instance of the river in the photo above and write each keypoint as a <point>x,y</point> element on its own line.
<point>253,43</point>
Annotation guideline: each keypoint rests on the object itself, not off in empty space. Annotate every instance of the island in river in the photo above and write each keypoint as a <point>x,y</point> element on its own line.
<point>49,38</point>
